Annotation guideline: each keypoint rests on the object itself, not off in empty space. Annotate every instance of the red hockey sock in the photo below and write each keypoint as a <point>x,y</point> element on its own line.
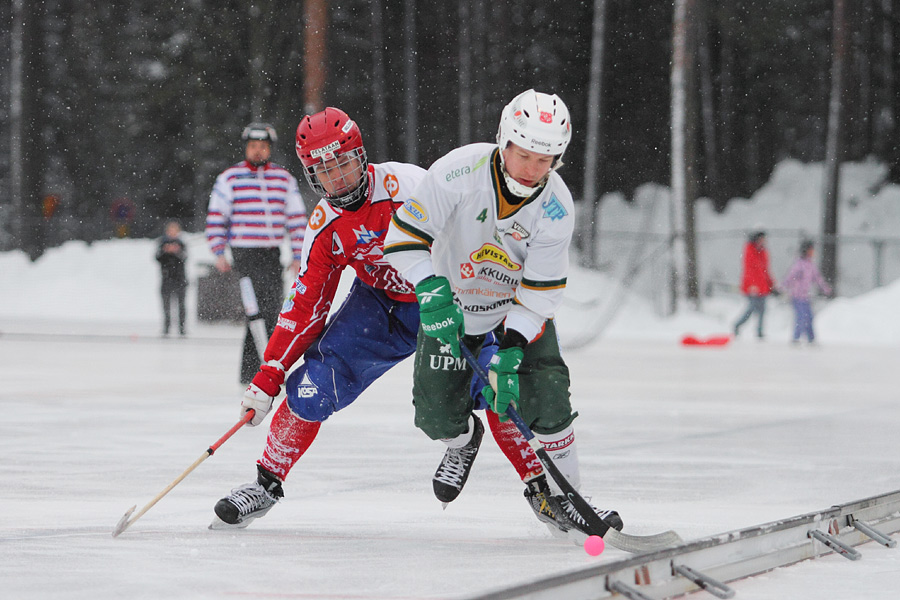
<point>515,447</point>
<point>289,438</point>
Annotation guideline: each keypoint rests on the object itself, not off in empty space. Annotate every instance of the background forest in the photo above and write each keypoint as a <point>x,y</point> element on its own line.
<point>122,113</point>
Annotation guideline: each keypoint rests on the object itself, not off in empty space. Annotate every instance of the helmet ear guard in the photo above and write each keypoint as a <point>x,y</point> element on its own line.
<point>539,123</point>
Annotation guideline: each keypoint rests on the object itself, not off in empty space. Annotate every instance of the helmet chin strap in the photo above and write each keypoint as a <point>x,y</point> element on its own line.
<point>517,189</point>
<point>523,191</point>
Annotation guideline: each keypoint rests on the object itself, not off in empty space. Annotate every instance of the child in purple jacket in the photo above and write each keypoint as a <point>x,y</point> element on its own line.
<point>798,283</point>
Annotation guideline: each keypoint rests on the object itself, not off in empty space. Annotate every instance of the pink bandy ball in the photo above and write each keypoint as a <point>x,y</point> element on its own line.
<point>594,545</point>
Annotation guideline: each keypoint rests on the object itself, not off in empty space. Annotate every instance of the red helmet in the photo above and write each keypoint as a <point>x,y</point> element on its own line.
<point>330,147</point>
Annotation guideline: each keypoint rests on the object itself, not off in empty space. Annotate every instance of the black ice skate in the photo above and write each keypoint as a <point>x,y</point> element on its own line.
<point>453,471</point>
<point>248,502</point>
<point>537,494</point>
<point>567,517</point>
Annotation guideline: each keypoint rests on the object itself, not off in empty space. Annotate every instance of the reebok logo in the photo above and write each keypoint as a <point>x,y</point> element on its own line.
<point>426,297</point>
<point>438,326</point>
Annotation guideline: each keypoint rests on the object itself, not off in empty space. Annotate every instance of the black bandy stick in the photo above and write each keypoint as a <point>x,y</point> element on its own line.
<point>622,541</point>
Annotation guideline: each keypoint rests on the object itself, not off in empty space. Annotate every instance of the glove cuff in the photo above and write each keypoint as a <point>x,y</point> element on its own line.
<point>270,378</point>
<point>435,296</point>
<point>506,362</point>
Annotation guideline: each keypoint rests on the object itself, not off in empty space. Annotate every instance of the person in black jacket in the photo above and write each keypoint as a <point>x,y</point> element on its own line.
<point>171,254</point>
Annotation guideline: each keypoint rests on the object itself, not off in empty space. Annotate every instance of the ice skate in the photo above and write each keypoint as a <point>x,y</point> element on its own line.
<point>453,471</point>
<point>558,513</point>
<point>568,518</point>
<point>537,494</point>
<point>248,502</point>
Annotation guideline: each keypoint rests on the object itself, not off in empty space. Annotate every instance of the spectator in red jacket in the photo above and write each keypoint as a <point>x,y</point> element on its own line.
<point>756,283</point>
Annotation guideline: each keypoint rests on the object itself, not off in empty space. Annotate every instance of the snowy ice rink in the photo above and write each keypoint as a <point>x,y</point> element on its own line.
<point>100,414</point>
<point>703,441</point>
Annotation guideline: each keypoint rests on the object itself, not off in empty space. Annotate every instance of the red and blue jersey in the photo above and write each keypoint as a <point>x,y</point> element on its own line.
<point>252,207</point>
<point>337,239</point>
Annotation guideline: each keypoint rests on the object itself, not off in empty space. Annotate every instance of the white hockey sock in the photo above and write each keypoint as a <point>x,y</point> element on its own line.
<point>463,438</point>
<point>562,449</point>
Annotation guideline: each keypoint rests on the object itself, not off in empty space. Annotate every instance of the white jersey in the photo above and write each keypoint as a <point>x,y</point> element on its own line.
<point>505,262</point>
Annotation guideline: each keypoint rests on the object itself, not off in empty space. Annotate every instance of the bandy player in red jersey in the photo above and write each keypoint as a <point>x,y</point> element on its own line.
<point>373,330</point>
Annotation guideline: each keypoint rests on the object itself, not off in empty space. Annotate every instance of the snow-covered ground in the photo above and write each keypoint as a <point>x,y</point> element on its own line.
<point>100,414</point>
<point>789,207</point>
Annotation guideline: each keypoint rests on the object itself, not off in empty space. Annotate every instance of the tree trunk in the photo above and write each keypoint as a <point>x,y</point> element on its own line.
<point>479,24</point>
<point>410,65</point>
<point>26,70</point>
<point>465,74</point>
<point>289,71</point>
<point>683,171</point>
<point>590,197</point>
<point>859,20</point>
<point>833,146</point>
<point>314,43</point>
<point>884,115</point>
<point>259,80</point>
<point>379,89</point>
<point>727,113</point>
<point>707,103</point>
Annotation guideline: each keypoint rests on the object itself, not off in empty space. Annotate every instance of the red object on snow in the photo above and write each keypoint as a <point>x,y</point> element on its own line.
<point>713,340</point>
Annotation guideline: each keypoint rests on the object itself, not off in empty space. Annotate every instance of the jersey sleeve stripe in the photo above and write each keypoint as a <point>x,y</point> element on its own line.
<point>412,231</point>
<point>389,249</point>
<point>556,284</point>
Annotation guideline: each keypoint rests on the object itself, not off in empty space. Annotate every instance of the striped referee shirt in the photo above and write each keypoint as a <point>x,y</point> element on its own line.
<point>252,207</point>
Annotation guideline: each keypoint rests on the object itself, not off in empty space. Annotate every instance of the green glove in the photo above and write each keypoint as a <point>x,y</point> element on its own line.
<point>504,388</point>
<point>441,317</point>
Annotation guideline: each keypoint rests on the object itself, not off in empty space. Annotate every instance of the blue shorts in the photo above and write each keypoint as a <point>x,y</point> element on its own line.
<point>369,334</point>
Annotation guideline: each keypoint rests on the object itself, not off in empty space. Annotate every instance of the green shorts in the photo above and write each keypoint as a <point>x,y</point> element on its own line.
<point>441,386</point>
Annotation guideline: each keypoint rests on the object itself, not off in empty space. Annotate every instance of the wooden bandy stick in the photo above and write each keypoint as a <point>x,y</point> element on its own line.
<point>125,522</point>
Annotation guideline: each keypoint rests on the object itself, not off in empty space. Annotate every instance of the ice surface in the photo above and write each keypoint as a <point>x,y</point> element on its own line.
<point>101,414</point>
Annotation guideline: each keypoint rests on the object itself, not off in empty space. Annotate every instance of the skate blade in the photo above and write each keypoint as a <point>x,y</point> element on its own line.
<point>218,524</point>
<point>572,535</point>
<point>576,537</point>
<point>555,531</point>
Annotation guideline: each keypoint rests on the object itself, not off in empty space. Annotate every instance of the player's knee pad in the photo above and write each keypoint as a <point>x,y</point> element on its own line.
<point>310,393</point>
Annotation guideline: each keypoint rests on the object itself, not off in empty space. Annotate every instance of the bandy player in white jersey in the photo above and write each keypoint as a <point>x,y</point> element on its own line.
<point>485,239</point>
<point>374,328</point>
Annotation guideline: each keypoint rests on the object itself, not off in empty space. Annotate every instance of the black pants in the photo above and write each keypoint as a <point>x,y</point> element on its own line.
<point>263,267</point>
<point>173,289</point>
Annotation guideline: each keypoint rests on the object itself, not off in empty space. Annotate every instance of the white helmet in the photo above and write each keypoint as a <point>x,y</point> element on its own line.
<point>259,131</point>
<point>537,122</point>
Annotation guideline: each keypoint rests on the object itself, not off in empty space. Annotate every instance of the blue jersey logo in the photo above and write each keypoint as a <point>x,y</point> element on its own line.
<point>366,236</point>
<point>553,209</point>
